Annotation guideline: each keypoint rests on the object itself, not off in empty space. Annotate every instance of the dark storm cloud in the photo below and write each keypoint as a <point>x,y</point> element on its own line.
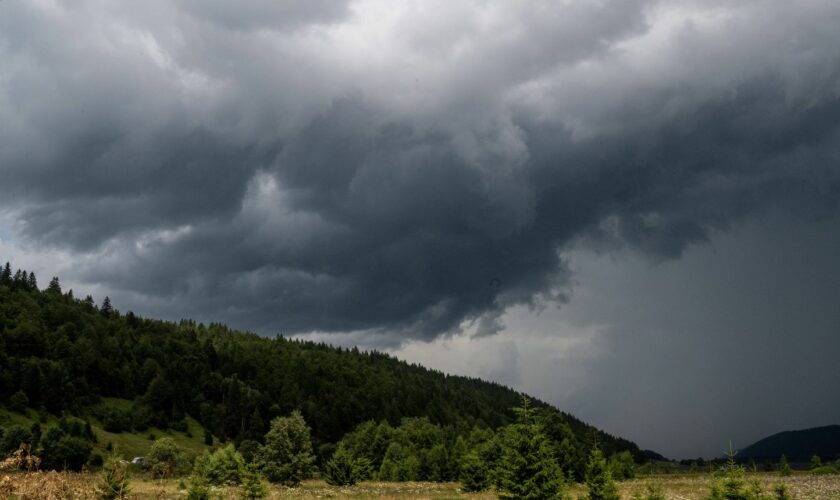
<point>298,169</point>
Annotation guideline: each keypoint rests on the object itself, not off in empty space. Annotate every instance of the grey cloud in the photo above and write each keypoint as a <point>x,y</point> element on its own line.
<point>272,183</point>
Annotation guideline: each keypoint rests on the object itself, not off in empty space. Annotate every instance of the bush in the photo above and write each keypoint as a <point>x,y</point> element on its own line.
<point>60,451</point>
<point>286,457</point>
<point>225,467</point>
<point>165,458</point>
<point>344,470</point>
<point>18,402</point>
<point>823,471</point>
<point>11,439</point>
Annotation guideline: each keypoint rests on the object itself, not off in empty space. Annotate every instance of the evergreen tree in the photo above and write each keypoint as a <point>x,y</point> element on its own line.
<point>622,466</point>
<point>286,457</point>
<point>107,309</point>
<point>113,482</point>
<point>252,484</point>
<point>784,467</point>
<point>198,484</point>
<point>54,286</point>
<point>6,275</point>
<point>598,478</point>
<point>32,282</point>
<point>343,470</point>
<point>527,468</point>
<point>474,474</point>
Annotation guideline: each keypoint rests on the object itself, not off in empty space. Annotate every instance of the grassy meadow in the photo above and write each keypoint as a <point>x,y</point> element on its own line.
<point>54,485</point>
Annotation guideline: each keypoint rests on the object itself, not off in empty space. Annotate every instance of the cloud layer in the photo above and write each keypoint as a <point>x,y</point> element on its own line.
<point>401,169</point>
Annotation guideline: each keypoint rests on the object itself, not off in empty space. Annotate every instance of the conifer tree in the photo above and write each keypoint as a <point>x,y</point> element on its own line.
<point>107,309</point>
<point>113,483</point>
<point>6,275</point>
<point>252,484</point>
<point>598,478</point>
<point>527,468</point>
<point>32,282</point>
<point>784,466</point>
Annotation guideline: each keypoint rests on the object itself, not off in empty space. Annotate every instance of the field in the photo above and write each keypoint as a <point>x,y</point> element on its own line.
<point>678,487</point>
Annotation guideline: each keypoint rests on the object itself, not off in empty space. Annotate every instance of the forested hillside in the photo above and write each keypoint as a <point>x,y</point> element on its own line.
<point>797,446</point>
<point>60,354</point>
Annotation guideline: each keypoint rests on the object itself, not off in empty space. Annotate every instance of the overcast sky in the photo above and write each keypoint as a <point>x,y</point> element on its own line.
<point>628,209</point>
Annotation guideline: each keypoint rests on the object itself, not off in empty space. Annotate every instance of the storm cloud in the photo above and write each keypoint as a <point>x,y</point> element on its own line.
<point>400,169</point>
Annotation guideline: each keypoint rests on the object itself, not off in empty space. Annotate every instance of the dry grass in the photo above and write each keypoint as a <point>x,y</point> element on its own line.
<point>54,485</point>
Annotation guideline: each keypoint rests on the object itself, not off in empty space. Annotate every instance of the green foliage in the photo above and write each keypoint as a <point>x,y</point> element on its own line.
<point>18,402</point>
<point>823,471</point>
<point>474,473</point>
<point>344,470</point>
<point>252,484</point>
<point>61,450</point>
<point>166,458</point>
<point>599,481</point>
<point>113,482</point>
<point>780,492</point>
<point>198,486</point>
<point>286,457</point>
<point>67,355</point>
<point>527,468</point>
<point>815,463</point>
<point>622,466</point>
<point>653,492</point>
<point>225,467</point>
<point>784,467</point>
<point>733,485</point>
<point>12,438</point>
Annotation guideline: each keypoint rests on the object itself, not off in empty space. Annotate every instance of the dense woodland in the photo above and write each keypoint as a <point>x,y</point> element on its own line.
<point>61,355</point>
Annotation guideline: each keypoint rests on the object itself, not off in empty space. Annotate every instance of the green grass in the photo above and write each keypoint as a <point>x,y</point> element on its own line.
<point>127,444</point>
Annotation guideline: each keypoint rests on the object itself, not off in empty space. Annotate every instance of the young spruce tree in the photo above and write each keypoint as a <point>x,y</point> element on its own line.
<point>527,467</point>
<point>599,480</point>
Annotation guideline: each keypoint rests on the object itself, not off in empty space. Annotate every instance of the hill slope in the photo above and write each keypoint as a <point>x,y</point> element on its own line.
<point>61,354</point>
<point>797,446</point>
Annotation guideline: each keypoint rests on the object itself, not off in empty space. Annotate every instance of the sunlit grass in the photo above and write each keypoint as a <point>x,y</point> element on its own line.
<point>678,487</point>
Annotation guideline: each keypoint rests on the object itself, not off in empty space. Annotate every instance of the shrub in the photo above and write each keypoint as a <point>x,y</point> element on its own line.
<point>61,451</point>
<point>12,437</point>
<point>823,471</point>
<point>225,467</point>
<point>286,457</point>
<point>816,462</point>
<point>344,470</point>
<point>165,458</point>
<point>18,402</point>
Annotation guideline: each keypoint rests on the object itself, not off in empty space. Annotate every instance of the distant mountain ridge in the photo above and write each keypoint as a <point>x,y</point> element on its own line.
<point>797,446</point>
